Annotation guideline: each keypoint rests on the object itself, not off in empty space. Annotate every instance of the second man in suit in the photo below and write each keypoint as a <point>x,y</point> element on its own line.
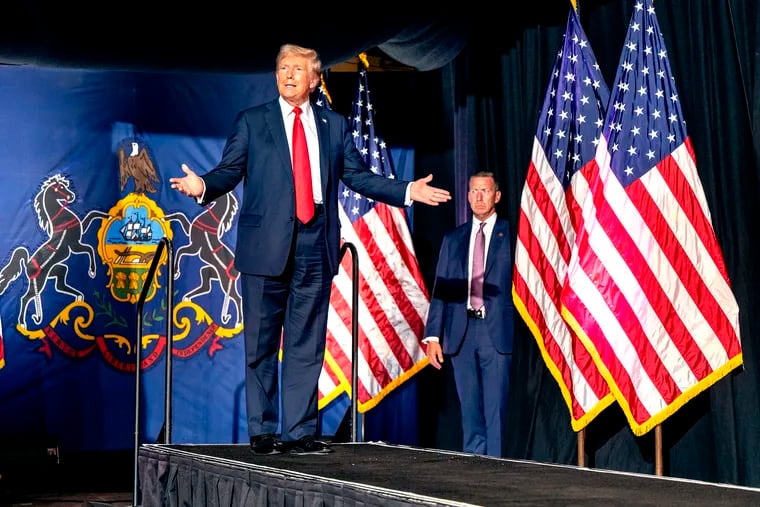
<point>471,317</point>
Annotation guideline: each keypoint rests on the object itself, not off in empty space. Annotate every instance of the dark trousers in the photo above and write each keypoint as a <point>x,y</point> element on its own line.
<point>292,307</point>
<point>481,374</point>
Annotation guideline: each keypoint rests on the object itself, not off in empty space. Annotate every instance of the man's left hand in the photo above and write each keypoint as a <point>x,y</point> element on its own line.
<point>420,191</point>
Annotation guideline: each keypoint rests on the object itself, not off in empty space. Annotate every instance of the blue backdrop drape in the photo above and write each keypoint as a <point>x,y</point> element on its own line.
<point>66,373</point>
<point>68,338</point>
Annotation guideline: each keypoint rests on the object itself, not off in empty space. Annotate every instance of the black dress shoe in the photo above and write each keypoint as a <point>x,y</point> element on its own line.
<point>307,445</point>
<point>266,444</point>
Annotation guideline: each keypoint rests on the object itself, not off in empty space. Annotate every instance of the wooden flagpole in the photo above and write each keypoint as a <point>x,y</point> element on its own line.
<point>658,467</point>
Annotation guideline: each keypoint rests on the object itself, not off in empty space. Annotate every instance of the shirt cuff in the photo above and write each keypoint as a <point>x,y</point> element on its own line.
<point>199,200</point>
<point>408,194</point>
<point>430,339</point>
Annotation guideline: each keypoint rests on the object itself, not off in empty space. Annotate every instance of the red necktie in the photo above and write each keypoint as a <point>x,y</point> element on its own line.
<point>302,171</point>
<point>478,269</point>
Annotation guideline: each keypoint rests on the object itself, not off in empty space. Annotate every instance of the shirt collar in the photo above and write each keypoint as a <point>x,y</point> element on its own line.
<point>287,109</point>
<point>490,221</point>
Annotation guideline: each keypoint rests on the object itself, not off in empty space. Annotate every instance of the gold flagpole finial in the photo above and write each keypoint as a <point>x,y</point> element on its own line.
<point>363,58</point>
<point>323,87</point>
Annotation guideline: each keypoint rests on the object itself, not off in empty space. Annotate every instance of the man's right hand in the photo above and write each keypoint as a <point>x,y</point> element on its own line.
<point>434,354</point>
<point>191,184</point>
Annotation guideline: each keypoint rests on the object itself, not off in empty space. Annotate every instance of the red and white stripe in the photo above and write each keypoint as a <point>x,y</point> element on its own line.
<point>393,305</point>
<point>647,288</point>
<point>545,238</point>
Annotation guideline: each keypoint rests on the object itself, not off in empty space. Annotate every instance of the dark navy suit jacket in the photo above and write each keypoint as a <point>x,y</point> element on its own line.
<point>447,316</point>
<point>257,153</point>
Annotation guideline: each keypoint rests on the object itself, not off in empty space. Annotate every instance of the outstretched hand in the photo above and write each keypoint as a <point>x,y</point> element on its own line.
<point>191,184</point>
<point>422,192</point>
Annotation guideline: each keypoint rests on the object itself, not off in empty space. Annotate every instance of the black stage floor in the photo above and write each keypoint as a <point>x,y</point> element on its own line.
<point>378,474</point>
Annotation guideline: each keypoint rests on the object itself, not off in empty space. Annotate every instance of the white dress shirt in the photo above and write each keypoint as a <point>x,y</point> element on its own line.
<point>312,141</point>
<point>487,231</point>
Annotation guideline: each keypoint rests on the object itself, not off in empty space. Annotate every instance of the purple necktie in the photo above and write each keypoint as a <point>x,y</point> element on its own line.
<point>301,171</point>
<point>478,269</point>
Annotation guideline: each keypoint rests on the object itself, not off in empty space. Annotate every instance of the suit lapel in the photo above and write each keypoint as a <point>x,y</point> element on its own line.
<point>463,248</point>
<point>323,136</point>
<point>498,237</point>
<point>276,126</point>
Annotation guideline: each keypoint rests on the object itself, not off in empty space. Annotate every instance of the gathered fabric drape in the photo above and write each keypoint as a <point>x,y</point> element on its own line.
<point>497,88</point>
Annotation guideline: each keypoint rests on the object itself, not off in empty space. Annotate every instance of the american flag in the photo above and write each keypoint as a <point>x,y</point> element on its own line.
<point>647,288</point>
<point>393,299</point>
<point>568,131</point>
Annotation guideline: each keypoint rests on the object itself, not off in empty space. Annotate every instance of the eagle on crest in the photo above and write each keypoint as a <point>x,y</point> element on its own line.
<point>138,166</point>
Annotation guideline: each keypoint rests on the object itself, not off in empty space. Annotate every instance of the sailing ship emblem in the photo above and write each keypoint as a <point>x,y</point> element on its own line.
<point>136,229</point>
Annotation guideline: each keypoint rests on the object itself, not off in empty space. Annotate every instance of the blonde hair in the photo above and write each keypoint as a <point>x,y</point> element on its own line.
<point>308,53</point>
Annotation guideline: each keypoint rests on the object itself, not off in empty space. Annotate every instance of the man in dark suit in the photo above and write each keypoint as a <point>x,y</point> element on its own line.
<point>475,331</point>
<point>287,263</point>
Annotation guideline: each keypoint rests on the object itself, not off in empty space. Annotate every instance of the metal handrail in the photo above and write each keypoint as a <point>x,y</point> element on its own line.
<point>163,243</point>
<point>354,336</point>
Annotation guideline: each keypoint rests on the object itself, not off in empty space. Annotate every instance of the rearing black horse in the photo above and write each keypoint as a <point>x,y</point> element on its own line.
<point>204,233</point>
<point>64,230</point>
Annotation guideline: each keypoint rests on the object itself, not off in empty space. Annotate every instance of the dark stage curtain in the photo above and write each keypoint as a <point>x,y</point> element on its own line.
<point>472,104</point>
<point>497,87</point>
